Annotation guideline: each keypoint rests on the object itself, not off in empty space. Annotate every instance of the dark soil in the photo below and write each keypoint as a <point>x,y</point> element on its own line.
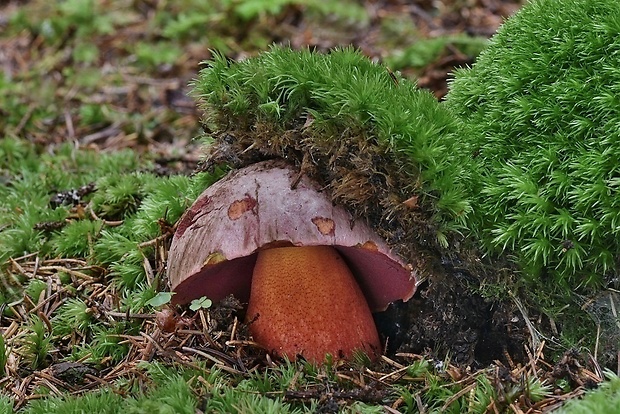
<point>447,317</point>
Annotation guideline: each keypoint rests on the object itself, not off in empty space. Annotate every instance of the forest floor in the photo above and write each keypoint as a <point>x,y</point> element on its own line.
<point>106,76</point>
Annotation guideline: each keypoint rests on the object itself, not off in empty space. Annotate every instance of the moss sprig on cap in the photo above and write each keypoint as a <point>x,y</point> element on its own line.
<point>369,136</point>
<point>543,105</point>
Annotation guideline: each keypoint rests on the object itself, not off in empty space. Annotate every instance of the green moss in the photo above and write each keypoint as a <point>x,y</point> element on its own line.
<point>542,104</point>
<point>46,204</point>
<point>6,405</point>
<point>119,194</point>
<point>603,400</point>
<point>37,344</point>
<point>103,402</point>
<point>77,238</point>
<point>371,137</point>
<point>31,179</point>
<point>40,193</point>
<point>168,392</point>
<point>34,289</point>
<point>73,316</point>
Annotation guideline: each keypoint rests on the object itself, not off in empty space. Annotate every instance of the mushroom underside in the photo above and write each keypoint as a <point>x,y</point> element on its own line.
<point>382,281</point>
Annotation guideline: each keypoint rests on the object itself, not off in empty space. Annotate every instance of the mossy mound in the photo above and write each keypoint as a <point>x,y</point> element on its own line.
<point>543,107</point>
<point>383,148</point>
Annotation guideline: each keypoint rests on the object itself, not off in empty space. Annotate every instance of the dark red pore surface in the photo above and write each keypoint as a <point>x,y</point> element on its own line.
<point>381,279</point>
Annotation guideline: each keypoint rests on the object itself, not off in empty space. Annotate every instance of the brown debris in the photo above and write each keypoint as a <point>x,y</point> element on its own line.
<point>217,336</point>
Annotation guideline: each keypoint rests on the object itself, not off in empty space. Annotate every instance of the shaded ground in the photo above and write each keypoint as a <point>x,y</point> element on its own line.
<point>129,63</point>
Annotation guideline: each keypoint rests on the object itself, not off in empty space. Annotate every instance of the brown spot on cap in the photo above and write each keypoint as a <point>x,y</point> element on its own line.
<point>239,207</point>
<point>326,226</point>
<point>369,245</point>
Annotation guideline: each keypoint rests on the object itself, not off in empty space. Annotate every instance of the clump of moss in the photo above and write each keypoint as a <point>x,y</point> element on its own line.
<point>383,148</point>
<point>39,190</point>
<point>62,203</point>
<point>542,105</point>
<point>603,400</point>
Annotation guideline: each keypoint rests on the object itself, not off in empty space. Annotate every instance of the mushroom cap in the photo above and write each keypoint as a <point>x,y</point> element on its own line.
<point>270,204</point>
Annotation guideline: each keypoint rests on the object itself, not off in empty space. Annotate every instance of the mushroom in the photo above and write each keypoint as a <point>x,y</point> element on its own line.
<point>311,274</point>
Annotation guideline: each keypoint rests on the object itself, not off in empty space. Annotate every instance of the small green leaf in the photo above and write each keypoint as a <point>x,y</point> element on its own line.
<point>160,299</point>
<point>202,302</point>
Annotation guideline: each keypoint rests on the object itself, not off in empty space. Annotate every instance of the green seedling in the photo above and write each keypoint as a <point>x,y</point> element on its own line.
<point>73,316</point>
<point>160,299</point>
<point>35,288</point>
<point>37,344</point>
<point>200,303</point>
<point>418,368</point>
<point>6,405</point>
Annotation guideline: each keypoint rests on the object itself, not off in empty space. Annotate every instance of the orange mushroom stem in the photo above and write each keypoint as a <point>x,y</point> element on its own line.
<point>305,301</point>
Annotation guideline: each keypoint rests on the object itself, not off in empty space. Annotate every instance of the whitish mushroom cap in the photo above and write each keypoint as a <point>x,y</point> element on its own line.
<point>269,204</point>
